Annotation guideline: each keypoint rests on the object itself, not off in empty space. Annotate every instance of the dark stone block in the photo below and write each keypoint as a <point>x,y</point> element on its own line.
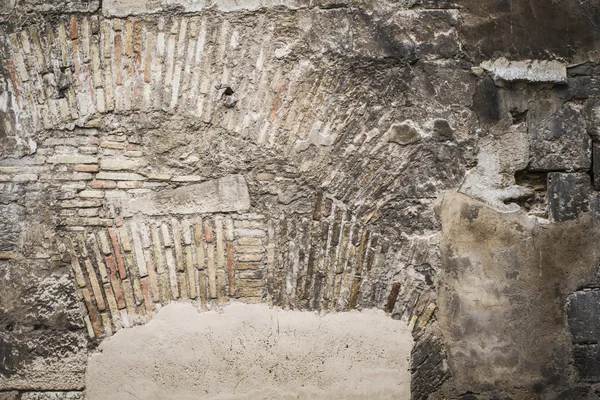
<point>486,101</point>
<point>583,311</point>
<point>596,165</point>
<point>558,140</point>
<point>428,366</point>
<point>587,362</point>
<point>568,195</point>
<point>512,28</point>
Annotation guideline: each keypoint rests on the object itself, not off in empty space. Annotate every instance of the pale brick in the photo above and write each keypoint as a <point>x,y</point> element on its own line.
<point>116,164</point>
<point>250,283</point>
<point>166,235</point>
<point>188,178</point>
<point>249,233</point>
<point>81,203</point>
<point>133,153</point>
<point>75,159</point>
<point>250,257</point>
<point>119,176</point>
<point>129,184</point>
<point>250,292</point>
<point>247,266</point>
<point>98,194</point>
<point>88,212</point>
<point>159,177</point>
<point>75,221</point>
<point>139,254</point>
<point>112,145</point>
<point>250,249</point>
<point>25,178</point>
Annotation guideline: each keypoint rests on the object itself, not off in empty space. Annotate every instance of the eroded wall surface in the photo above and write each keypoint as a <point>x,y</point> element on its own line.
<point>292,153</point>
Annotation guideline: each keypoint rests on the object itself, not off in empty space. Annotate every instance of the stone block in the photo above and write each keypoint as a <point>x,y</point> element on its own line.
<point>587,362</point>
<point>226,194</point>
<point>558,140</point>
<point>583,311</point>
<point>568,195</point>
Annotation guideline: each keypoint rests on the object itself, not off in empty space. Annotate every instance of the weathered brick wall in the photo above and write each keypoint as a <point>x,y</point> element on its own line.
<point>130,179</point>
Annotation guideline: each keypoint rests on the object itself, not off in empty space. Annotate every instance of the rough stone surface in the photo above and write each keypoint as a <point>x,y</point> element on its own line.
<point>527,71</point>
<point>568,195</point>
<point>252,351</point>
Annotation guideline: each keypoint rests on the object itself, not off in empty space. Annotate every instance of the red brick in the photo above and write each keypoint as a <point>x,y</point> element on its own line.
<point>73,28</point>
<point>85,168</point>
<point>103,184</point>
<point>146,294</point>
<point>208,234</point>
<point>112,232</point>
<point>116,285</point>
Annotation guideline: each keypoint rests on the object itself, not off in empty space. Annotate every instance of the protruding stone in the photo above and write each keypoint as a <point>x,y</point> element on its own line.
<point>227,194</point>
<point>403,134</point>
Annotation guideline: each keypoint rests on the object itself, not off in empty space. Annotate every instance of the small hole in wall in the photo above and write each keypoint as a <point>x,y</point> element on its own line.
<point>518,116</point>
<point>536,181</point>
<point>9,327</point>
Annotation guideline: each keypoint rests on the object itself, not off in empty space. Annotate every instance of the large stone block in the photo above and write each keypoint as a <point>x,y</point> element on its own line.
<point>558,140</point>
<point>587,362</point>
<point>219,195</point>
<point>568,195</point>
<point>583,310</point>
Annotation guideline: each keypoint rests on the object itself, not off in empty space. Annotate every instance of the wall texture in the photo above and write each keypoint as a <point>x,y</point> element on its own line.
<point>296,153</point>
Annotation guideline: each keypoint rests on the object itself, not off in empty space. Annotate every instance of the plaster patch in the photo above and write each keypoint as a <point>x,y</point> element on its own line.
<point>254,352</point>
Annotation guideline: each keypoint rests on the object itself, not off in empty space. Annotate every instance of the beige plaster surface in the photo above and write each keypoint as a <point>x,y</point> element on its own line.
<point>254,352</point>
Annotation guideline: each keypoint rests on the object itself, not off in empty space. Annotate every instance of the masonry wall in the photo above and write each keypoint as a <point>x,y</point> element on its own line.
<point>295,154</point>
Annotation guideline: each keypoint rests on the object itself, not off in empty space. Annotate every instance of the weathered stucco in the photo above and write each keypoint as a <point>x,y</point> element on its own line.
<point>502,296</point>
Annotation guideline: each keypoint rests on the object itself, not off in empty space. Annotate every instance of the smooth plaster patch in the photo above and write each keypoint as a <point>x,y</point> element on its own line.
<point>254,352</point>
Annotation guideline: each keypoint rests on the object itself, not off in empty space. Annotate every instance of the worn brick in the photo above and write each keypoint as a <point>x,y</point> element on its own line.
<point>250,292</point>
<point>85,168</point>
<point>75,221</point>
<point>247,266</point>
<point>116,164</point>
<point>81,203</point>
<point>252,257</point>
<point>72,159</point>
<point>25,178</point>
<point>91,194</point>
<point>114,238</point>
<point>103,184</point>
<point>119,176</point>
<point>112,145</point>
